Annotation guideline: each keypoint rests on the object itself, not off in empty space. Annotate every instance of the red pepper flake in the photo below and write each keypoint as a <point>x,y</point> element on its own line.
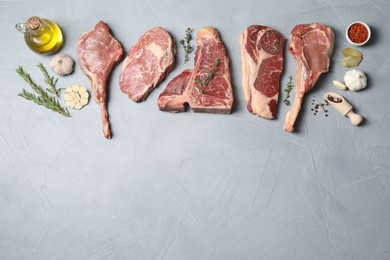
<point>358,33</point>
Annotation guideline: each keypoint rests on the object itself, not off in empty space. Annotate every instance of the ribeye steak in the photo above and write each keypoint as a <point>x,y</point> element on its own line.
<point>262,51</point>
<point>148,62</point>
<point>206,88</point>
<point>98,52</point>
<point>311,45</point>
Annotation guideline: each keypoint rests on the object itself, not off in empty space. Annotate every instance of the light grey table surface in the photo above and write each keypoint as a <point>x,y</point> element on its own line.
<point>194,186</point>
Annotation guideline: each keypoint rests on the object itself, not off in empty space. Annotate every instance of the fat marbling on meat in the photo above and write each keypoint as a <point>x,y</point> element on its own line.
<point>148,62</point>
<point>262,50</point>
<point>214,97</point>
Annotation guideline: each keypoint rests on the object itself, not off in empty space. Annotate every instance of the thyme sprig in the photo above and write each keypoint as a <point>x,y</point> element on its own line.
<point>288,90</point>
<point>43,98</point>
<point>186,43</point>
<point>205,80</point>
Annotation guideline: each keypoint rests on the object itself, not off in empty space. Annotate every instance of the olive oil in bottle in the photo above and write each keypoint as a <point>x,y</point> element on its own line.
<point>41,35</point>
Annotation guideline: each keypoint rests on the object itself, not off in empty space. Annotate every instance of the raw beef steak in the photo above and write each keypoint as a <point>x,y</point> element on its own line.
<point>206,88</point>
<point>311,45</point>
<point>149,61</point>
<point>98,52</point>
<point>262,51</point>
<point>172,98</point>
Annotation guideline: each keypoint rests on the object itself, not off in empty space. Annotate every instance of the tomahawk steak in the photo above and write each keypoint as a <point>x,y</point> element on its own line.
<point>98,52</point>
<point>206,88</point>
<point>149,61</point>
<point>262,51</point>
<point>311,45</point>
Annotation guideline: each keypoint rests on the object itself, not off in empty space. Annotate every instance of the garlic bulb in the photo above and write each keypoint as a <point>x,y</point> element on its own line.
<point>62,64</point>
<point>76,96</point>
<point>355,80</point>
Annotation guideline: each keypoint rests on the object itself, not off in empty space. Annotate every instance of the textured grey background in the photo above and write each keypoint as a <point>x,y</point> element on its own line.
<point>194,186</point>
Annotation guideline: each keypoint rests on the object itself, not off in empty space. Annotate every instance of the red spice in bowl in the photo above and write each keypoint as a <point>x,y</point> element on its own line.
<point>358,33</point>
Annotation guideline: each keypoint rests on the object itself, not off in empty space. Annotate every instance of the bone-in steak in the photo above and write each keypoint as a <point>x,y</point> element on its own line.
<point>262,64</point>
<point>98,52</point>
<point>173,98</point>
<point>311,45</point>
<point>202,92</point>
<point>149,61</point>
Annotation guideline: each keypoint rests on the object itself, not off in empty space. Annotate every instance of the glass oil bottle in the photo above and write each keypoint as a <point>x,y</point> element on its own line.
<point>41,35</point>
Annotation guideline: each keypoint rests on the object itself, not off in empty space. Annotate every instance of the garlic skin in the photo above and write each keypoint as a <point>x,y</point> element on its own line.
<point>62,64</point>
<point>355,80</point>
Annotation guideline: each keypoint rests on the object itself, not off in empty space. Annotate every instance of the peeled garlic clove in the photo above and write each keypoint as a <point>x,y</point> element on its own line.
<point>71,103</point>
<point>82,90</point>
<point>75,88</point>
<point>78,106</point>
<point>339,85</point>
<point>67,97</point>
<point>84,101</point>
<point>84,95</point>
<point>62,64</point>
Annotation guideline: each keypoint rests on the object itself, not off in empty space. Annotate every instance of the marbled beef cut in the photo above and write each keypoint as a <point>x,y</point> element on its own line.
<point>173,97</point>
<point>262,51</point>
<point>311,45</point>
<point>98,52</point>
<point>149,61</point>
<point>217,95</point>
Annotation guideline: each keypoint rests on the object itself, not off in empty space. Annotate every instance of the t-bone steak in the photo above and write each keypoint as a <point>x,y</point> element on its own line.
<point>262,51</point>
<point>206,88</point>
<point>312,46</point>
<point>98,52</point>
<point>149,61</point>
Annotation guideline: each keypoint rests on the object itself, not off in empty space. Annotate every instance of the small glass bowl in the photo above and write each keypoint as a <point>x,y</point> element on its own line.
<point>354,43</point>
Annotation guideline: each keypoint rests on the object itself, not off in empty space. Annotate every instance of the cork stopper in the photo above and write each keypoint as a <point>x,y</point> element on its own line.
<point>33,23</point>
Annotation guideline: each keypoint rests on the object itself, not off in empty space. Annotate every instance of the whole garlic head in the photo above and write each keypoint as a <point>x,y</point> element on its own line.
<point>355,80</point>
<point>62,64</point>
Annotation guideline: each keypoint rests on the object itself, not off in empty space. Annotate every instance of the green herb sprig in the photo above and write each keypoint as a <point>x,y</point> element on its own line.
<point>205,80</point>
<point>288,90</point>
<point>186,43</point>
<point>50,81</point>
<point>43,98</point>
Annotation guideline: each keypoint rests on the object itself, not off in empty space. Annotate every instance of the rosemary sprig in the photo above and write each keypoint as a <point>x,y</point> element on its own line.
<point>186,44</point>
<point>51,81</point>
<point>288,90</point>
<point>205,80</point>
<point>43,98</point>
